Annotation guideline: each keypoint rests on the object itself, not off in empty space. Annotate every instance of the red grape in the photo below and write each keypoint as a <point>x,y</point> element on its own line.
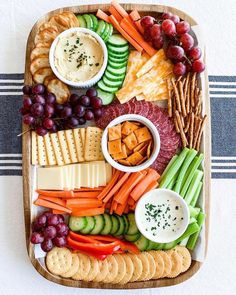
<point>187,41</point>
<point>47,245</point>
<point>89,115</point>
<point>175,19</point>
<point>175,52</point>
<point>23,111</point>
<point>39,98</point>
<point>36,227</point>
<point>96,102</point>
<point>74,99</point>
<point>52,219</point>
<point>82,121</point>
<point>147,34</point>
<point>50,232</point>
<point>179,69</point>
<point>49,110</point>
<point>62,229</point>
<point>59,241</point>
<point>37,109</point>
<point>66,112</point>
<point>42,220</point>
<point>195,53</point>
<point>28,120</point>
<point>198,66</point>
<point>54,129</point>
<point>27,103</point>
<point>79,111</point>
<point>61,218</point>
<point>38,89</point>
<point>27,89</point>
<point>47,214</point>
<point>166,15</point>
<point>188,67</point>
<point>182,27</point>
<point>50,98</point>
<point>41,131</point>
<point>156,31</point>
<point>97,113</point>
<point>84,100</point>
<point>147,21</point>
<point>158,43</point>
<point>48,123</point>
<point>73,122</point>
<point>91,92</point>
<point>36,238</point>
<point>168,27</point>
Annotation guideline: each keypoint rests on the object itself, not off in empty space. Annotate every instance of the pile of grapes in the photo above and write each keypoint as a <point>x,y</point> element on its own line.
<point>49,230</point>
<point>179,44</point>
<point>43,114</point>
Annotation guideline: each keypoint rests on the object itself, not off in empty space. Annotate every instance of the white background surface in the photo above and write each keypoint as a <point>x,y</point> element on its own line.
<point>217,276</point>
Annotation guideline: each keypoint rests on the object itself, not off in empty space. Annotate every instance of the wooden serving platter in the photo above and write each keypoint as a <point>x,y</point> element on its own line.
<point>153,10</point>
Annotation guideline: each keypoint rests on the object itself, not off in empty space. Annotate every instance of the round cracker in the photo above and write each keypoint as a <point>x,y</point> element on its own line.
<point>40,75</point>
<point>146,267</point>
<point>129,269</point>
<point>74,267</point>
<point>39,51</point>
<point>84,267</point>
<point>59,260</point>
<point>112,269</point>
<point>121,269</point>
<point>39,62</point>
<point>167,263</point>
<point>186,257</point>
<point>176,266</point>
<point>94,269</point>
<point>159,264</point>
<point>138,267</point>
<point>60,90</point>
<point>103,271</point>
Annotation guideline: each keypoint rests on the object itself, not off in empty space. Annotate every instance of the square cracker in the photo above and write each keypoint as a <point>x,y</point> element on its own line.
<point>82,134</point>
<point>57,149</point>
<point>114,146</point>
<point>71,145</point>
<point>92,150</point>
<point>114,132</point>
<point>121,155</point>
<point>128,127</point>
<point>42,159</point>
<point>131,141</point>
<point>49,150</point>
<point>124,162</point>
<point>64,146</point>
<point>79,144</point>
<point>143,134</point>
<point>134,158</point>
<point>34,148</point>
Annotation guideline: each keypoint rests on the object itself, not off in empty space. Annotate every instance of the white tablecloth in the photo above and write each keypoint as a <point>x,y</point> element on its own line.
<point>217,276</point>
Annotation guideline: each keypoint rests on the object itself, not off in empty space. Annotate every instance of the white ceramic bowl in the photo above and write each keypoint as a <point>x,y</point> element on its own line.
<point>152,197</point>
<point>156,143</point>
<point>87,83</point>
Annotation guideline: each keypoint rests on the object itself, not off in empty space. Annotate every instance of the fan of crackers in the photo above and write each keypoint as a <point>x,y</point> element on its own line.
<point>39,58</point>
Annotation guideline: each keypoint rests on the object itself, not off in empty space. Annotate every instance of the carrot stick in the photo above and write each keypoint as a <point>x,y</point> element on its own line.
<point>88,212</point>
<point>114,205</point>
<point>115,13</point>
<point>132,181</point>
<point>56,194</point>
<point>83,203</point>
<point>86,194</point>
<point>102,15</point>
<point>124,34</point>
<point>134,15</point>
<point>139,190</point>
<point>119,8</point>
<point>47,204</point>
<point>151,186</point>
<point>53,200</point>
<point>126,211</point>
<point>120,208</point>
<point>116,187</point>
<point>131,202</point>
<point>108,205</point>
<point>130,29</point>
<point>54,211</point>
<point>88,189</point>
<point>109,186</point>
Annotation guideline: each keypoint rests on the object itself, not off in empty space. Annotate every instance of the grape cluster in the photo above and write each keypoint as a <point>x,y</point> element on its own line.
<point>49,230</point>
<point>43,114</point>
<point>173,34</point>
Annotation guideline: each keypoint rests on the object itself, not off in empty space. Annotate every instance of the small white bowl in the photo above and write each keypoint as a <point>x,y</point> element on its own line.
<point>155,136</point>
<point>87,83</point>
<point>161,196</point>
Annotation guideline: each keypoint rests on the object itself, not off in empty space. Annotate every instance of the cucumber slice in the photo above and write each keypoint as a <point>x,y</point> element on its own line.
<point>121,228</point>
<point>151,245</point>
<point>117,40</point>
<point>158,246</point>
<point>95,22</point>
<point>108,224</point>
<point>118,50</point>
<point>99,224</point>
<point>116,72</point>
<point>105,88</point>
<point>170,245</point>
<point>142,243</point>
<point>89,21</point>
<point>117,65</point>
<point>111,77</point>
<point>109,33</point>
<point>106,31</point>
<point>82,22</point>
<point>111,83</point>
<point>106,97</point>
<point>126,223</point>
<point>101,27</point>
<point>115,224</point>
<point>118,55</point>
<point>77,223</point>
<point>132,238</point>
<point>90,225</point>
<point>132,225</point>
<point>117,60</point>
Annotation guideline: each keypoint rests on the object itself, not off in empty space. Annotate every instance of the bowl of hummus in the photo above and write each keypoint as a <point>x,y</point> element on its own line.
<point>78,57</point>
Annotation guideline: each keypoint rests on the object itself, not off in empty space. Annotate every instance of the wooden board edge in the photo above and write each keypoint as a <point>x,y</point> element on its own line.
<point>26,155</point>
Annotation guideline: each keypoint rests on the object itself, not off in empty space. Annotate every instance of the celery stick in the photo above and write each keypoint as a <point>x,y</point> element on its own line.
<point>194,211</point>
<point>184,242</point>
<point>173,181</point>
<point>191,229</point>
<point>193,186</point>
<point>193,238</point>
<point>170,245</point>
<point>189,158</point>
<point>196,195</point>
<point>190,173</point>
<point>192,220</point>
<point>168,167</point>
<point>173,169</point>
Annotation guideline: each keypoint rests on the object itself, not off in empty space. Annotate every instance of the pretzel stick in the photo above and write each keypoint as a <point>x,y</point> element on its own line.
<point>169,103</point>
<point>191,130</point>
<point>197,130</point>
<point>192,90</point>
<point>188,99</point>
<point>176,96</point>
<point>200,109</point>
<point>182,100</point>
<point>182,134</point>
<point>186,85</point>
<point>196,96</point>
<point>182,120</point>
<point>173,111</point>
<point>200,132</point>
<point>187,124</point>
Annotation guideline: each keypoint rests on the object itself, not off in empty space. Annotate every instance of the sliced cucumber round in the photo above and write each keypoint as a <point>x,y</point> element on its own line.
<point>90,225</point>
<point>112,77</point>
<point>168,246</point>
<point>99,224</point>
<point>106,97</point>
<point>117,40</point>
<point>118,60</point>
<point>95,22</point>
<point>132,238</point>
<point>111,83</point>
<point>108,224</point>
<point>106,31</point>
<point>121,228</point>
<point>116,65</point>
<point>142,243</point>
<point>89,21</point>
<point>105,88</point>
<point>101,27</point>
<point>126,223</point>
<point>118,50</point>
<point>118,55</point>
<point>115,224</point>
<point>116,72</point>
<point>109,33</point>
<point>157,246</point>
<point>132,225</point>
<point>77,223</point>
<point>151,245</point>
<point>82,22</point>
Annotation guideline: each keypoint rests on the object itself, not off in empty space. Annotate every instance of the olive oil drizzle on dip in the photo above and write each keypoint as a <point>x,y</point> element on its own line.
<point>78,56</point>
